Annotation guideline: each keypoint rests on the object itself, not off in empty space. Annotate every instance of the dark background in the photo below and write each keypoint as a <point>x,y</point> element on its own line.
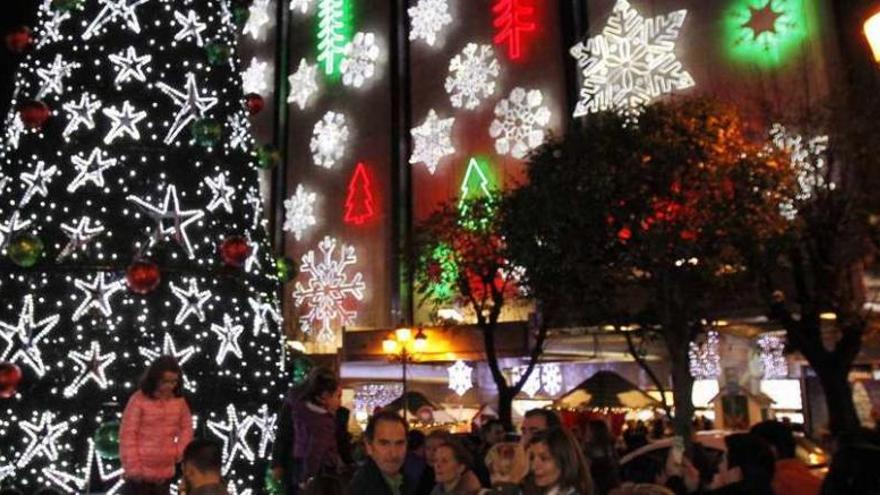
<point>15,13</point>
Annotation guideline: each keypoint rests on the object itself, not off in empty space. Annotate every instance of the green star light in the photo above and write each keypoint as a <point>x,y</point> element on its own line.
<point>766,33</point>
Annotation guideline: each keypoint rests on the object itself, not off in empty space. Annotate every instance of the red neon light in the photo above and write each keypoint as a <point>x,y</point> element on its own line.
<point>512,19</point>
<point>359,204</point>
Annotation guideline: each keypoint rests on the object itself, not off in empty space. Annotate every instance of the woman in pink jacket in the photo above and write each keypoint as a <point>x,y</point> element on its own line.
<point>156,427</point>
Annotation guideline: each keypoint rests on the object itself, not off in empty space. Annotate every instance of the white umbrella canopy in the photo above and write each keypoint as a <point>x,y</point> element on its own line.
<point>606,390</point>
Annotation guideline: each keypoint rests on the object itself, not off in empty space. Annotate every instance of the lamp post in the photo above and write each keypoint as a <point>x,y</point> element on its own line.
<point>872,32</point>
<point>401,345</point>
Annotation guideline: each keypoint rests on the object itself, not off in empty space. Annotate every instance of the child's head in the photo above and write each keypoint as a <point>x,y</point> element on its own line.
<point>507,463</point>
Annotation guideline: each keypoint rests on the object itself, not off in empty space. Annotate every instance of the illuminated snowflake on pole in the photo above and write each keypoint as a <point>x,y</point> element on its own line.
<point>328,289</point>
<point>254,80</point>
<point>303,84</point>
<point>329,139</point>
<point>92,366</point>
<point>808,158</point>
<point>129,65</point>
<point>82,113</point>
<point>233,433</point>
<point>427,19</point>
<point>533,383</point>
<point>300,211</point>
<point>123,122</point>
<point>432,141</point>
<point>43,438</point>
<point>519,122</point>
<point>52,77</point>
<point>37,182</point>
<point>23,331</point>
<point>192,301</point>
<point>190,104</point>
<point>631,63</point>
<point>772,349</point>
<point>301,7</point>
<point>359,61</point>
<point>705,362</point>
<point>79,235</point>
<point>258,18</point>
<point>96,295</point>
<point>551,378</point>
<point>190,27</point>
<point>460,377</point>
<point>472,75</point>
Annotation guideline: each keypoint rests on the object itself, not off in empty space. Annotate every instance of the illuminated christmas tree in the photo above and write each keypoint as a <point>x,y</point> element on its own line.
<point>130,227</point>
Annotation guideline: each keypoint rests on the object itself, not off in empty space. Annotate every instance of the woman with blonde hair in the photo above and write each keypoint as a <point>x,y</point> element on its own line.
<point>508,466</point>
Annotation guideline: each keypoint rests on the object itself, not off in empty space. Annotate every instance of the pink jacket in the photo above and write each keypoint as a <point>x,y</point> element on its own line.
<point>152,437</point>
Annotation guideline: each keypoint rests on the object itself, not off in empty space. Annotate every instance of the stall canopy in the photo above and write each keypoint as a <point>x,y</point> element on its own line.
<point>606,390</point>
<point>420,408</point>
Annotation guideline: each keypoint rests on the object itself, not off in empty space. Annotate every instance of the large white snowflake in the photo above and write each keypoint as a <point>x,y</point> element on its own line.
<point>519,122</point>
<point>329,139</point>
<point>301,7</point>
<point>303,84</point>
<point>258,19</point>
<point>808,157</point>
<point>254,79</point>
<point>631,62</point>
<point>432,141</point>
<point>359,61</point>
<point>460,377</point>
<point>300,211</point>
<point>329,291</point>
<point>551,378</point>
<point>472,75</point>
<point>427,19</point>
<point>533,382</point>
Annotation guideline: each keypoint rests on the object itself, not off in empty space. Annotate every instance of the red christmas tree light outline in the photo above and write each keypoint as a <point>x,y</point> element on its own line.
<point>359,206</point>
<point>512,19</point>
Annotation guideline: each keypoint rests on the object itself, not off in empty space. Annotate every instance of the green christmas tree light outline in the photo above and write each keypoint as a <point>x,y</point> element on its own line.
<point>334,31</point>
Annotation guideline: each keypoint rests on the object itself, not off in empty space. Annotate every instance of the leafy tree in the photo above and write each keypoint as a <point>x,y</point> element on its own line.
<point>461,256</point>
<point>640,223</point>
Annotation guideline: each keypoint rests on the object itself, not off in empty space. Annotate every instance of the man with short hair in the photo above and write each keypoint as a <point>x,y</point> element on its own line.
<point>201,465</point>
<point>790,475</point>
<point>492,433</point>
<point>537,420</point>
<point>385,440</point>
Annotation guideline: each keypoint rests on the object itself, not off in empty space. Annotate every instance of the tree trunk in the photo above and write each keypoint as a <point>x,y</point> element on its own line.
<point>842,416</point>
<point>505,407</point>
<point>682,389</point>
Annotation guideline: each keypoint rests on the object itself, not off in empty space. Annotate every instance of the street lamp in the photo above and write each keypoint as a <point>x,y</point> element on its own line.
<point>401,345</point>
<point>872,32</point>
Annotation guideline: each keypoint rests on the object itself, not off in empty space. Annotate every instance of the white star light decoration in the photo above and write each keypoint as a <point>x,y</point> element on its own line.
<point>12,225</point>
<point>79,235</point>
<point>233,433</point>
<point>96,295</point>
<point>190,27</point>
<point>519,122</point>
<point>182,356</point>
<point>43,438</point>
<point>37,182</point>
<point>112,10</point>
<point>265,422</point>
<point>123,122</point>
<point>239,131</point>
<point>328,289</point>
<point>90,169</point>
<point>92,366</point>
<point>129,65</point>
<point>253,79</point>
<point>51,31</point>
<point>262,312</point>
<point>631,63</point>
<point>303,84</point>
<point>432,141</point>
<point>170,211</point>
<point>359,60</point>
<point>14,129</point>
<point>52,77</point>
<point>460,377</point>
<point>23,331</point>
<point>472,75</point>
<point>82,113</point>
<point>228,333</point>
<point>300,211</point>
<point>329,139</point>
<point>190,104</point>
<point>427,19</point>
<point>258,18</point>
<point>301,7</point>
<point>222,193</point>
<point>192,301</point>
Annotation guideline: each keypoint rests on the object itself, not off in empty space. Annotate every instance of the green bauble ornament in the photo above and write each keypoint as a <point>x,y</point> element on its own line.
<point>285,269</point>
<point>207,132</point>
<point>267,157</point>
<point>240,15</point>
<point>65,5</point>
<point>273,486</point>
<point>218,53</point>
<point>302,366</point>
<point>25,250</point>
<point>107,440</point>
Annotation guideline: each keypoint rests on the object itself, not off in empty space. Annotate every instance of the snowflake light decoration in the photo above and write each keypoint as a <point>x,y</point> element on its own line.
<point>519,122</point>
<point>301,7</point>
<point>359,59</point>
<point>427,19</point>
<point>303,84</point>
<point>631,62</point>
<point>432,141</point>
<point>808,158</point>
<point>300,211</point>
<point>472,75</point>
<point>551,379</point>
<point>258,18</point>
<point>533,383</point>
<point>329,290</point>
<point>705,362</point>
<point>329,139</point>
<point>773,361</point>
<point>253,79</point>
<point>460,377</point>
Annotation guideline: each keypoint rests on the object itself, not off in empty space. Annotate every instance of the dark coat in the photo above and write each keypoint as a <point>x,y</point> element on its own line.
<point>368,480</point>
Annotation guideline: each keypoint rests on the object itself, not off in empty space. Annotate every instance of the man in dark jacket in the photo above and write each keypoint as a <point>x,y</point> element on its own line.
<point>202,460</point>
<point>385,439</point>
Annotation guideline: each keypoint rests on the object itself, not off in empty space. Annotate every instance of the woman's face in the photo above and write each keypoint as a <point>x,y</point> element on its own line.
<point>544,467</point>
<point>446,468</point>
<point>167,384</point>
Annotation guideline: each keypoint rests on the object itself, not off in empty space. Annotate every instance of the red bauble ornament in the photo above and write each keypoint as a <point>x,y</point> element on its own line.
<point>624,234</point>
<point>143,277</point>
<point>235,251</point>
<point>254,103</point>
<point>10,377</point>
<point>34,113</point>
<point>19,39</point>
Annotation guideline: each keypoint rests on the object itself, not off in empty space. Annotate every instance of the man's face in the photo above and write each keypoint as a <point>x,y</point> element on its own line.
<point>495,434</point>
<point>388,448</point>
<point>532,425</point>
